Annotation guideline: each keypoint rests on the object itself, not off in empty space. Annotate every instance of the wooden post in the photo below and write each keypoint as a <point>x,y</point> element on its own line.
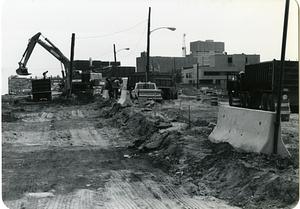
<point>115,54</point>
<point>197,75</point>
<point>189,116</point>
<point>71,64</point>
<point>279,90</point>
<point>148,47</point>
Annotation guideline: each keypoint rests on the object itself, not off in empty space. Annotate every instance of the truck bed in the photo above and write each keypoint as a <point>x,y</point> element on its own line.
<point>264,77</point>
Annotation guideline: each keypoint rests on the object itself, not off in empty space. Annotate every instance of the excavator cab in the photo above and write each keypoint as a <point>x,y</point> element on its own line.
<point>22,70</point>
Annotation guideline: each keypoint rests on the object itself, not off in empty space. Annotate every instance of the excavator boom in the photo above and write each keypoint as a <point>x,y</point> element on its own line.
<point>52,49</point>
<point>22,70</point>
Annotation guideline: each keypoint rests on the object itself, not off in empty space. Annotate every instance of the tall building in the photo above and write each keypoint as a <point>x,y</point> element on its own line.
<point>164,64</point>
<point>202,50</point>
<point>219,66</point>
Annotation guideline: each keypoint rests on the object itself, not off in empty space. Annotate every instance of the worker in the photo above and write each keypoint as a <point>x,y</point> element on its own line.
<point>116,88</point>
<point>45,74</point>
<point>108,86</point>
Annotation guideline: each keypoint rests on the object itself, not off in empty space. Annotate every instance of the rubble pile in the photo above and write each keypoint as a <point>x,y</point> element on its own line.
<point>244,179</point>
<point>19,86</point>
<point>147,132</point>
<point>202,167</point>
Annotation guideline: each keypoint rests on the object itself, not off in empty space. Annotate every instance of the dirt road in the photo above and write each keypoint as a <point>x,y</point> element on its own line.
<point>58,156</point>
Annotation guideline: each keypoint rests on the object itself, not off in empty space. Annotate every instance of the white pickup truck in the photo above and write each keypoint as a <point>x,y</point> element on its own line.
<point>146,90</point>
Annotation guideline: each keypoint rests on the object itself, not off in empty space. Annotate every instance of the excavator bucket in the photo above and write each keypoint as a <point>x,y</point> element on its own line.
<point>22,71</point>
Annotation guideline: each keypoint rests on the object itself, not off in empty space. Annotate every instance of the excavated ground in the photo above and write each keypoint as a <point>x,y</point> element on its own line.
<point>79,156</point>
<point>201,167</point>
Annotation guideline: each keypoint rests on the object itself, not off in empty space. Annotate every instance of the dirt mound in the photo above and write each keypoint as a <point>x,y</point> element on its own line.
<point>143,130</point>
<point>244,179</point>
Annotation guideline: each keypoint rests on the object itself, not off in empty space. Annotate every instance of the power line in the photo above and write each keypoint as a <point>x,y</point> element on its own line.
<point>137,44</point>
<point>111,34</point>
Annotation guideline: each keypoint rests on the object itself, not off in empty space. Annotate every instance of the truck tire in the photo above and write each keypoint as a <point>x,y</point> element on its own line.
<point>175,95</point>
<point>271,103</point>
<point>264,102</point>
<point>248,100</point>
<point>49,97</point>
<point>243,100</point>
<point>230,99</point>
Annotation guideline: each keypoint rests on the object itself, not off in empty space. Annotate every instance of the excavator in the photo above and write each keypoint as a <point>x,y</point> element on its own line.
<point>52,49</point>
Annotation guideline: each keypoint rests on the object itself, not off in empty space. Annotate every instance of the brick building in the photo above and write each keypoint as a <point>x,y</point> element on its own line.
<point>202,50</point>
<point>218,68</point>
<point>164,64</point>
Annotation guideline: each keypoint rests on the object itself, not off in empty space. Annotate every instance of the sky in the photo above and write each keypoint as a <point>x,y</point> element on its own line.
<point>246,26</point>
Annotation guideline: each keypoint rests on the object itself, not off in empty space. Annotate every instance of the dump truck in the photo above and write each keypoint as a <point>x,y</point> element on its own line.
<point>164,81</point>
<point>257,86</point>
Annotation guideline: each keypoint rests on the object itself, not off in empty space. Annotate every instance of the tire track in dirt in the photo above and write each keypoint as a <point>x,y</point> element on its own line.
<point>51,115</point>
<point>122,192</point>
<point>88,136</point>
<point>148,194</point>
<point>132,193</point>
<point>139,190</point>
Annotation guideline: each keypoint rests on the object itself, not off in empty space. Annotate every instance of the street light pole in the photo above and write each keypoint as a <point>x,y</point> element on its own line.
<point>148,47</point>
<point>115,52</point>
<point>148,43</point>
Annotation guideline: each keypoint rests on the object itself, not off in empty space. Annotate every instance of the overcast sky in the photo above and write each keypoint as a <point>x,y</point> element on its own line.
<point>246,26</point>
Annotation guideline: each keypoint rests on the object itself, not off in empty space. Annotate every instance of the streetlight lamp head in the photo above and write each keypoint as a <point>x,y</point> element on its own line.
<point>127,48</point>
<point>171,28</point>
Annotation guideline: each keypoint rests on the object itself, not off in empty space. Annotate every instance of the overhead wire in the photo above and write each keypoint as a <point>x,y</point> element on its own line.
<point>112,34</point>
<point>136,44</point>
<point>132,49</point>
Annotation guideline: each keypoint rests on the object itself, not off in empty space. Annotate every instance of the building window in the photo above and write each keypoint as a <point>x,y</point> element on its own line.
<point>212,73</point>
<point>206,81</point>
<point>246,60</point>
<point>188,75</point>
<point>229,59</point>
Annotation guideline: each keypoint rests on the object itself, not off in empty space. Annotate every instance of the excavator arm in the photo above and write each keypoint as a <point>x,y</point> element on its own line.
<point>49,46</point>
<point>52,49</point>
<point>22,70</point>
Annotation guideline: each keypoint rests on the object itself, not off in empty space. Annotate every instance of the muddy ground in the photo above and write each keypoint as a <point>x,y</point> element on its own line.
<point>100,155</point>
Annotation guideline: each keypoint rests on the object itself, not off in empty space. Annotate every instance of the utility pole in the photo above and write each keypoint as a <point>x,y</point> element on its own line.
<point>173,69</point>
<point>148,47</point>
<point>197,75</point>
<point>279,90</point>
<point>115,54</point>
<point>71,64</point>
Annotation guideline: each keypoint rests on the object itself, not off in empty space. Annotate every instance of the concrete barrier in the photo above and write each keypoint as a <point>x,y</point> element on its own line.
<point>105,94</point>
<point>247,129</point>
<point>125,98</point>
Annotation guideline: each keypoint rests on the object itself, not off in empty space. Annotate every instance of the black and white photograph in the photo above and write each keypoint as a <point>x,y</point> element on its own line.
<point>150,104</point>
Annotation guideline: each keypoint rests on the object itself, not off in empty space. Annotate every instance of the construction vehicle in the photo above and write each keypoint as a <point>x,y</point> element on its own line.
<point>257,87</point>
<point>164,81</point>
<point>77,83</point>
<point>146,91</point>
<point>52,49</point>
<point>41,89</point>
